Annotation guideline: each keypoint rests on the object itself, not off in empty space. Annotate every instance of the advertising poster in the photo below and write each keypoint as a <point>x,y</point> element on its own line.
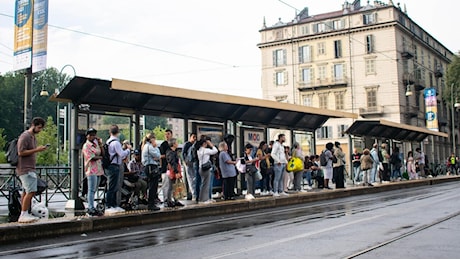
<point>40,35</point>
<point>431,113</point>
<point>213,131</point>
<point>23,34</point>
<point>253,136</point>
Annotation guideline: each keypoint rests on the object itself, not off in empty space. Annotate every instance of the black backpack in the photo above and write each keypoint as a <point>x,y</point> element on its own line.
<point>106,159</point>
<point>323,159</point>
<point>14,204</point>
<point>379,153</point>
<point>12,156</point>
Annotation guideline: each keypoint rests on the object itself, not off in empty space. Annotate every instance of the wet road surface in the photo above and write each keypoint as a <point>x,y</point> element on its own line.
<point>337,228</point>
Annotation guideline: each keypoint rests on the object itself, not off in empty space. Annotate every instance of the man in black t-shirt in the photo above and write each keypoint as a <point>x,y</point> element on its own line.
<point>164,147</point>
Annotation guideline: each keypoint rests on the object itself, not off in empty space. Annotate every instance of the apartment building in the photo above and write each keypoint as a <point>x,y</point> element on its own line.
<point>359,59</point>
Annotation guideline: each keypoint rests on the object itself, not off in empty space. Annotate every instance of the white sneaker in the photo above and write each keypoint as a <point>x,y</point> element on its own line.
<point>119,210</point>
<point>110,211</point>
<point>270,193</point>
<point>284,194</point>
<point>27,218</point>
<point>276,194</point>
<point>249,197</point>
<point>264,193</point>
<point>309,187</point>
<point>303,191</point>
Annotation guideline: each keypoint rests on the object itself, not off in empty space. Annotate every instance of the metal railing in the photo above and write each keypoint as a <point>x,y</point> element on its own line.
<point>57,178</point>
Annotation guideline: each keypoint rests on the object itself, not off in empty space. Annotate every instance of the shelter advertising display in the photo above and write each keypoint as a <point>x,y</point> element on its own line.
<point>40,35</point>
<point>431,114</point>
<point>253,136</point>
<point>211,130</point>
<point>23,34</point>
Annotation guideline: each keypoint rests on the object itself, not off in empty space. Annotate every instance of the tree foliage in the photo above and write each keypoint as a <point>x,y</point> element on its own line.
<point>453,80</point>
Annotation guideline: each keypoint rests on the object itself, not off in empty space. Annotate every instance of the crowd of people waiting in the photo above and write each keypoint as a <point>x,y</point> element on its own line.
<point>265,165</point>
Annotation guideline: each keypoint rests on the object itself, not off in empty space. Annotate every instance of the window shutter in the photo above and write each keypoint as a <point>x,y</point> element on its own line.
<point>274,58</point>
<point>312,75</point>
<point>285,77</point>
<point>315,28</point>
<point>301,55</point>
<point>329,132</point>
<point>310,53</point>
<point>274,79</point>
<point>284,57</point>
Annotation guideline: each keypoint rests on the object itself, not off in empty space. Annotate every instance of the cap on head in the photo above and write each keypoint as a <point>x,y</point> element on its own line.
<point>136,152</point>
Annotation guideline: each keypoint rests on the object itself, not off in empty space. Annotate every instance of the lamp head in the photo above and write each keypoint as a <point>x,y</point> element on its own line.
<point>408,91</point>
<point>44,93</point>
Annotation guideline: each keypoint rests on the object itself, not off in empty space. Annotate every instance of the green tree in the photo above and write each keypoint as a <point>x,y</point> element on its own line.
<point>453,79</point>
<point>159,133</point>
<point>2,146</point>
<point>48,136</point>
<point>153,121</point>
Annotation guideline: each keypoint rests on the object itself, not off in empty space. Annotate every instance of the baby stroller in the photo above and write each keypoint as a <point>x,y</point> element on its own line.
<point>100,192</point>
<point>129,198</point>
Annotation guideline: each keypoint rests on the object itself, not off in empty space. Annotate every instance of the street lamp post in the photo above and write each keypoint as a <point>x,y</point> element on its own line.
<point>453,116</point>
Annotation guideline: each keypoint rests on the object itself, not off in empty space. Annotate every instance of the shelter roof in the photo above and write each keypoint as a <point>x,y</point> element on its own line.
<point>391,130</point>
<point>129,97</point>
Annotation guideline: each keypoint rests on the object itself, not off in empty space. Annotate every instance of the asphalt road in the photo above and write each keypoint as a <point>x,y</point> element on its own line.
<point>419,222</point>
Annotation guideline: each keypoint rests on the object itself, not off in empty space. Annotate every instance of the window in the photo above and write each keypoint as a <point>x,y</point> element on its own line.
<point>324,132</point>
<point>323,101</point>
<point>279,57</point>
<point>321,48</point>
<point>370,67</point>
<point>307,100</point>
<point>280,78</point>
<point>341,130</point>
<point>339,100</point>
<point>337,24</point>
<point>307,75</point>
<point>369,18</point>
<point>337,70</point>
<point>322,72</point>
<point>319,27</point>
<point>370,43</point>
<point>415,54</point>
<point>304,30</point>
<point>338,48</point>
<point>371,98</point>
<point>305,54</point>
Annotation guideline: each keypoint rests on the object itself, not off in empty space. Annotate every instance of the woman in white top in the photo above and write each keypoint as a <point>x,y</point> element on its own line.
<point>204,155</point>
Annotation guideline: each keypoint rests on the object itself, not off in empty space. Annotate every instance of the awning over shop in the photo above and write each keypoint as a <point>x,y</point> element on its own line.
<point>391,130</point>
<point>131,97</point>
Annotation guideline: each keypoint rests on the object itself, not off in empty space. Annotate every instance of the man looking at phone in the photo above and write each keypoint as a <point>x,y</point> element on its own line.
<point>27,149</point>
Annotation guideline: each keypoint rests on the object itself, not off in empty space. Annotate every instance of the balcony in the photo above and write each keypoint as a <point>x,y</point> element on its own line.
<point>371,111</point>
<point>323,83</point>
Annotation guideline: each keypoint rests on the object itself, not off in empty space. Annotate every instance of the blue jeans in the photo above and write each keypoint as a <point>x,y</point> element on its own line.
<point>356,172</point>
<point>374,171</point>
<point>198,181</point>
<point>396,172</point>
<point>307,175</point>
<point>278,183</point>
<point>113,174</point>
<point>93,182</point>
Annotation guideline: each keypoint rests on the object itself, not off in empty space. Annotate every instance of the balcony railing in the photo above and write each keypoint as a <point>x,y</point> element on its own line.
<point>325,82</point>
<point>371,111</point>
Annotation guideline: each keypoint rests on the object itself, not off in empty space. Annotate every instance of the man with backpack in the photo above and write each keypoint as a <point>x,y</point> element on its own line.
<point>27,150</point>
<point>190,160</point>
<point>113,172</point>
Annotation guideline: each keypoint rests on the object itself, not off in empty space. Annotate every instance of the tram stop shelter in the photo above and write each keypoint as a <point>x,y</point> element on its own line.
<point>137,98</point>
<point>381,128</point>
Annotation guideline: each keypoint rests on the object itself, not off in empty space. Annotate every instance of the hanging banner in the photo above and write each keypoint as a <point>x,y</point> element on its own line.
<point>431,114</point>
<point>23,34</point>
<point>40,35</point>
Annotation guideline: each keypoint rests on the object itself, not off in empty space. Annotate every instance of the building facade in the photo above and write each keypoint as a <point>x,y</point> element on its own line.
<point>359,59</point>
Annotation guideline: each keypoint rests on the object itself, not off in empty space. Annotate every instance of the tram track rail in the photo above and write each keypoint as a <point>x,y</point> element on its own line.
<point>105,244</point>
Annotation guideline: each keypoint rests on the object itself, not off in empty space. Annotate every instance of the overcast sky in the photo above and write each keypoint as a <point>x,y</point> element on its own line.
<point>207,45</point>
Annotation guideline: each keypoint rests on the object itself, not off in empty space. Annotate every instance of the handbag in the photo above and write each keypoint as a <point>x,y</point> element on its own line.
<point>251,169</point>
<point>241,167</point>
<point>295,164</point>
<point>258,175</point>
<point>179,190</point>
<point>206,166</point>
